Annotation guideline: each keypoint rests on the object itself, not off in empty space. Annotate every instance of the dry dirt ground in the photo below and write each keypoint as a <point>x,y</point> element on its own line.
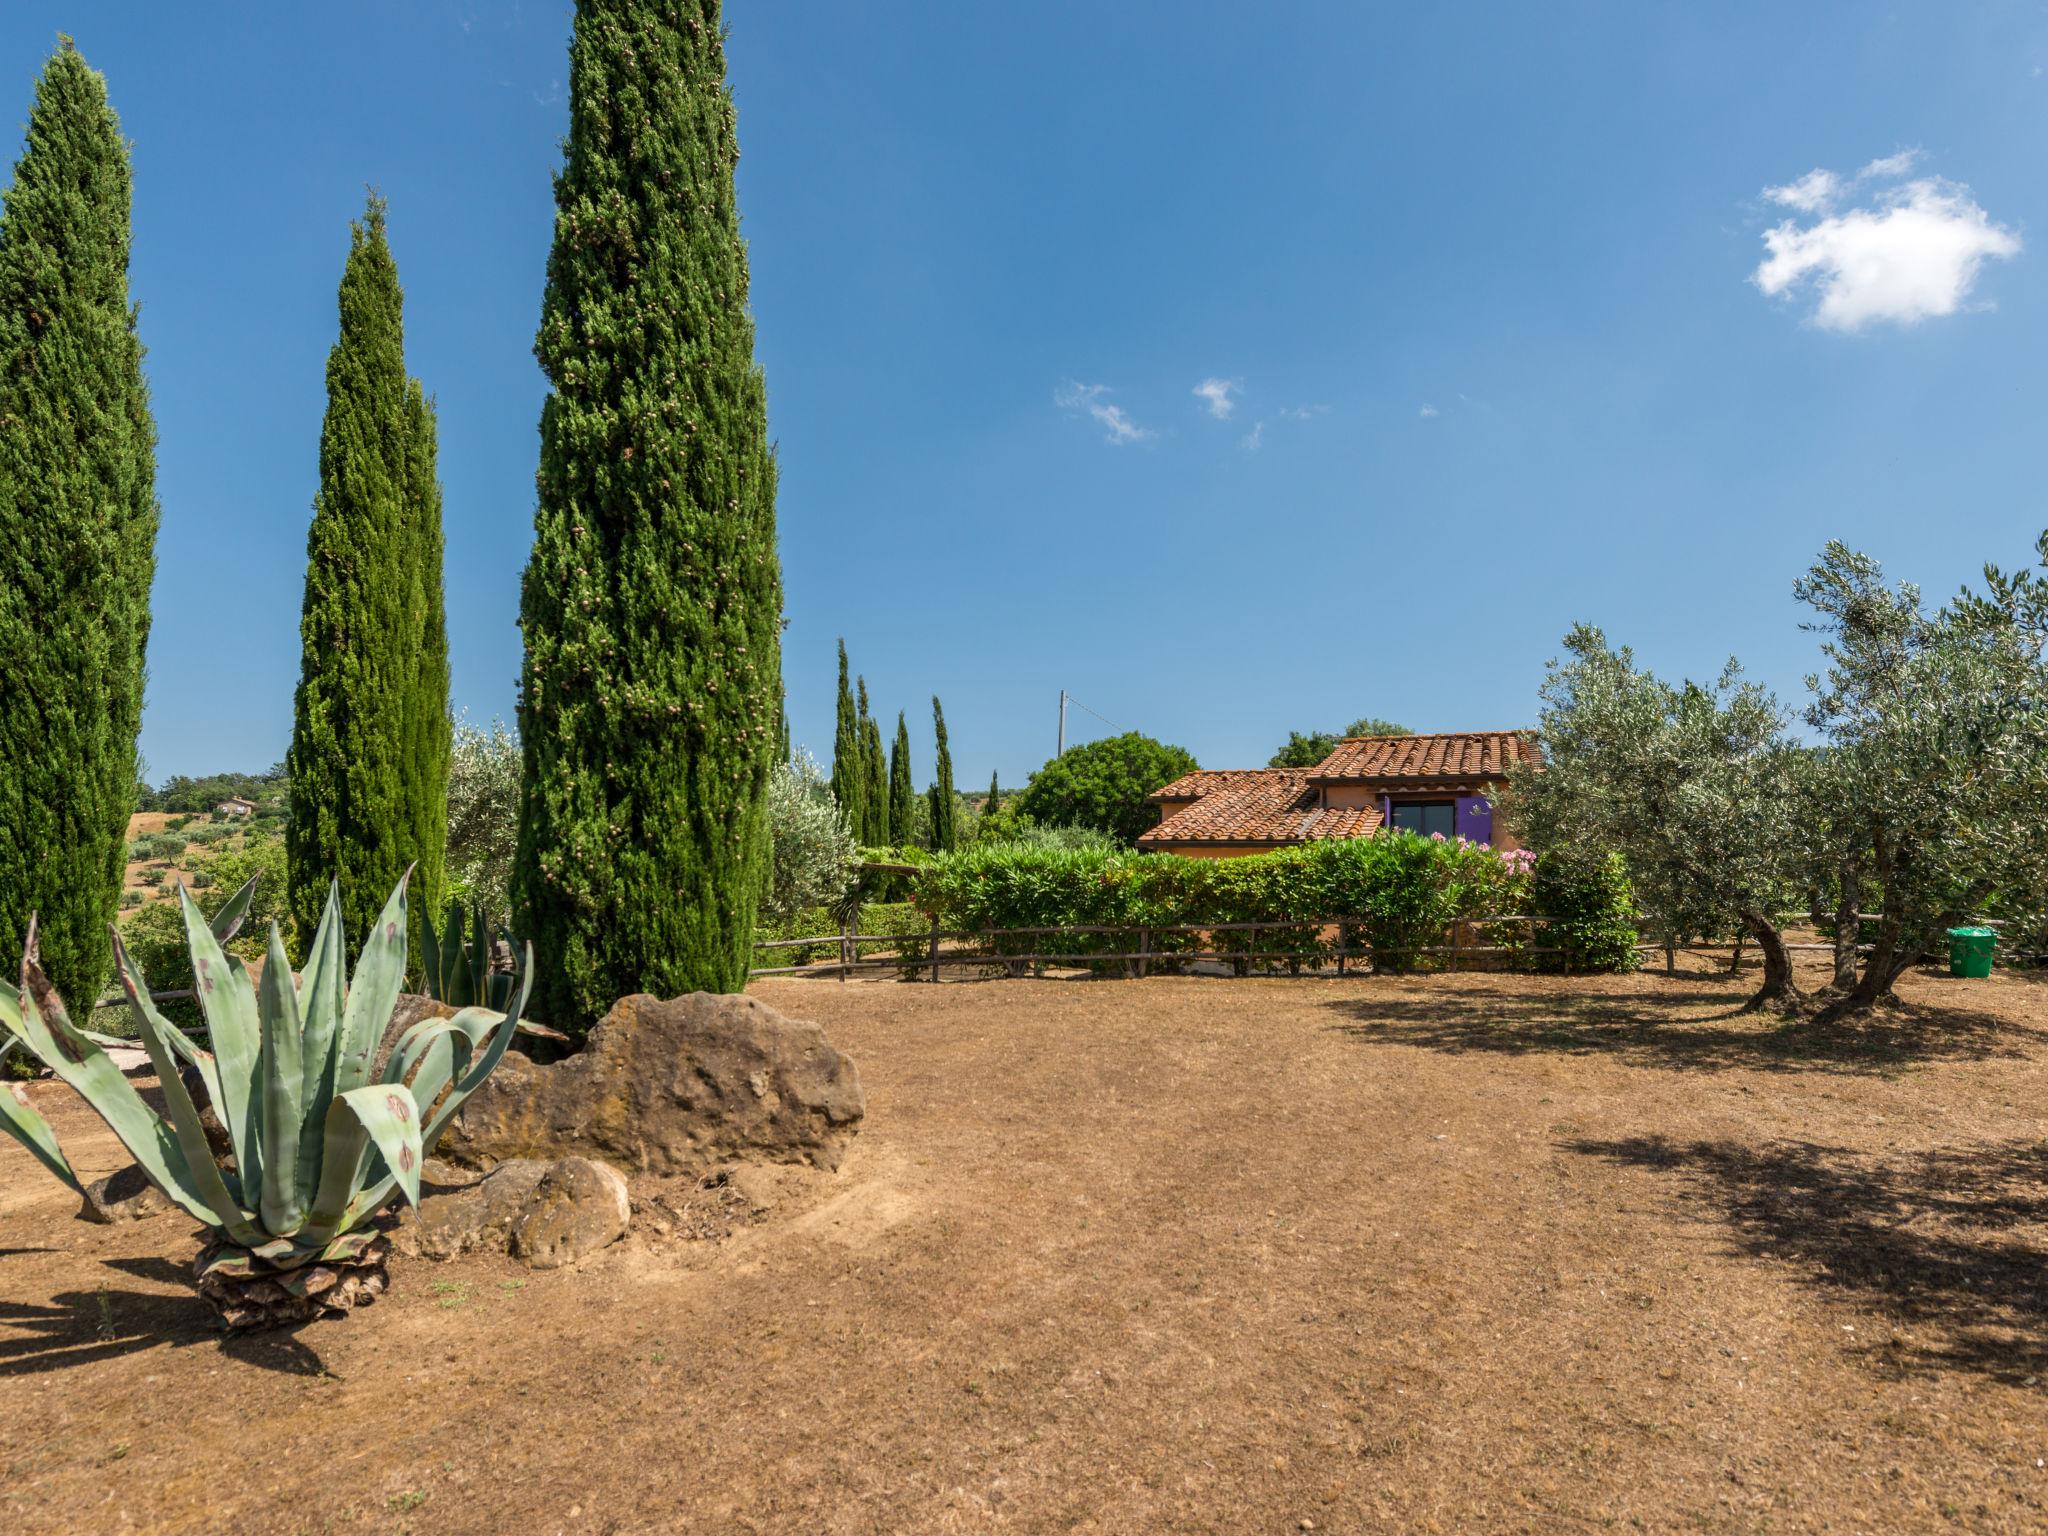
<point>1461,1253</point>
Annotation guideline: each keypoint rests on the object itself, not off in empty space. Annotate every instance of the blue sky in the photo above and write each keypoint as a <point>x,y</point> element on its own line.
<point>1479,294</point>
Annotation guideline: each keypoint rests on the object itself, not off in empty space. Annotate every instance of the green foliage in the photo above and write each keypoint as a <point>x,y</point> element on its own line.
<point>812,853</point>
<point>319,1147</point>
<point>1692,785</point>
<point>369,752</point>
<point>652,603</point>
<point>1592,912</point>
<point>483,816</point>
<point>945,814</point>
<point>903,806</point>
<point>874,829</point>
<point>78,518</point>
<point>198,796</point>
<point>1104,784</point>
<point>1934,773</point>
<point>1304,749</point>
<point>1405,892</point>
<point>849,765</point>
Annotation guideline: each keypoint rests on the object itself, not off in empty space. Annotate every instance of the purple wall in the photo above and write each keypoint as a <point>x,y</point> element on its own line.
<point>1475,818</point>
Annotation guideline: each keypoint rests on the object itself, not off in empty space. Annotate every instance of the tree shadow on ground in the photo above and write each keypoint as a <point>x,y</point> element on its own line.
<point>79,1327</point>
<point>1679,1023</point>
<point>1947,1244</point>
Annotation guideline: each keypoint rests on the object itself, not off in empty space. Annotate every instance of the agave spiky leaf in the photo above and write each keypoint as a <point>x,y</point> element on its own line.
<point>35,1014</point>
<point>283,1078</point>
<point>232,1023</point>
<point>322,992</point>
<point>207,1178</point>
<point>30,1128</point>
<point>372,993</point>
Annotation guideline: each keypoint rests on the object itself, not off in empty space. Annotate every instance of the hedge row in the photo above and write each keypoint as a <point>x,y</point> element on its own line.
<point>1406,893</point>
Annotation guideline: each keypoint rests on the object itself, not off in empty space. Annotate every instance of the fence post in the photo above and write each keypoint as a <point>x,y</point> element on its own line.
<point>846,950</point>
<point>935,951</point>
<point>1144,952</point>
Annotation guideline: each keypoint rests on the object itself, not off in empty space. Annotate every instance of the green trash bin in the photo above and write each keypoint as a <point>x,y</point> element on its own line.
<point>1969,951</point>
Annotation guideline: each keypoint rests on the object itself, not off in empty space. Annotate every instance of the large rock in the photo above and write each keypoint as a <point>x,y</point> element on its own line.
<point>577,1208</point>
<point>126,1195</point>
<point>480,1216</point>
<point>672,1087</point>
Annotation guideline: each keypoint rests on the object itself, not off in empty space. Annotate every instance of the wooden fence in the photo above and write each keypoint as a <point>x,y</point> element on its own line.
<point>927,954</point>
<point>923,956</point>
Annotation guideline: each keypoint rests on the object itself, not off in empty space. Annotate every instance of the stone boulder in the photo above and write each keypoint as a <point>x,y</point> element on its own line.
<point>480,1216</point>
<point>671,1087</point>
<point>126,1195</point>
<point>577,1208</point>
<point>545,1214</point>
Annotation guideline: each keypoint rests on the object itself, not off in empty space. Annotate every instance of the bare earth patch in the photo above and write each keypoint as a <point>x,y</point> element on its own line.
<point>1447,1254</point>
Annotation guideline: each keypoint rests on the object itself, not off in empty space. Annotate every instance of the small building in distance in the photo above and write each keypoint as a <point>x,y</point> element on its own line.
<point>1440,784</point>
<point>235,805</point>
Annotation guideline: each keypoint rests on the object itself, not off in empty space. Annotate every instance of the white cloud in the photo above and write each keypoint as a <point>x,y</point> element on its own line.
<point>1890,166</point>
<point>1219,396</point>
<point>1809,194</point>
<point>1118,428</point>
<point>1304,412</point>
<point>1911,253</point>
<point>1255,439</point>
<point>1428,411</point>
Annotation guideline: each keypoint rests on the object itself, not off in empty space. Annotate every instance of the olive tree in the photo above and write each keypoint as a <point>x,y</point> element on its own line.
<point>1935,766</point>
<point>812,854</point>
<point>1691,784</point>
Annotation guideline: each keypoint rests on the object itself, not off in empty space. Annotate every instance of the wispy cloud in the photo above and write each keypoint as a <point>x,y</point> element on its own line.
<point>1303,412</point>
<point>1118,428</point>
<point>1255,439</point>
<point>1428,411</point>
<point>1907,252</point>
<point>1811,192</point>
<point>1219,396</point>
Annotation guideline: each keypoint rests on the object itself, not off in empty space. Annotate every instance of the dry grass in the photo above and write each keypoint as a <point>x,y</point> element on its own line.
<point>1467,1253</point>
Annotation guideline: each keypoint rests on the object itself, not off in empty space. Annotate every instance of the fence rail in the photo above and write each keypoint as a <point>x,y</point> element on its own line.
<point>1136,961</point>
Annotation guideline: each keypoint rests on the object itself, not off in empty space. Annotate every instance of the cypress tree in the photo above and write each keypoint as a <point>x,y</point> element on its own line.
<point>902,790</point>
<point>78,517</point>
<point>370,728</point>
<point>995,797</point>
<point>849,770</point>
<point>945,832</point>
<point>874,776</point>
<point>653,599</point>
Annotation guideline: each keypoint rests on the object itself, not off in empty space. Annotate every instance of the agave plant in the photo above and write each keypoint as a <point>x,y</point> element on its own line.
<point>458,973</point>
<point>320,1146</point>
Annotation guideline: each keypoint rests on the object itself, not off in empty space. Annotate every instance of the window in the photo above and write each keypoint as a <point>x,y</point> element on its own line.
<point>1427,817</point>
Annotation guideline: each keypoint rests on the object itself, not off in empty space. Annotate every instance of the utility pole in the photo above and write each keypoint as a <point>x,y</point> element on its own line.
<point>1063,725</point>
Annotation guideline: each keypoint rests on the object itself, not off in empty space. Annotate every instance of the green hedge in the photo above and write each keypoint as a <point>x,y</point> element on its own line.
<point>1406,891</point>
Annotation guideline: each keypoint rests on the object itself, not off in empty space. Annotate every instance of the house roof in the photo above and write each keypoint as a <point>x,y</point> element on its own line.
<point>1206,781</point>
<point>1252,805</point>
<point>1450,755</point>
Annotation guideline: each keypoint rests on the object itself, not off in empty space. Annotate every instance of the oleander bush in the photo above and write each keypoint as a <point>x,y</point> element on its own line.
<point>1592,913</point>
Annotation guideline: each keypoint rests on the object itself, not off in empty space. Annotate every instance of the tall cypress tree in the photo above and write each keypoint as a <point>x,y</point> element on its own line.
<point>995,796</point>
<point>874,776</point>
<point>78,516</point>
<point>849,761</point>
<point>653,599</point>
<point>902,790</point>
<point>370,731</point>
<point>945,832</point>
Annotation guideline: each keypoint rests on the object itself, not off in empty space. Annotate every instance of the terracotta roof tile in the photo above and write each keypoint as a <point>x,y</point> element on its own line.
<point>1252,805</point>
<point>1451,755</point>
